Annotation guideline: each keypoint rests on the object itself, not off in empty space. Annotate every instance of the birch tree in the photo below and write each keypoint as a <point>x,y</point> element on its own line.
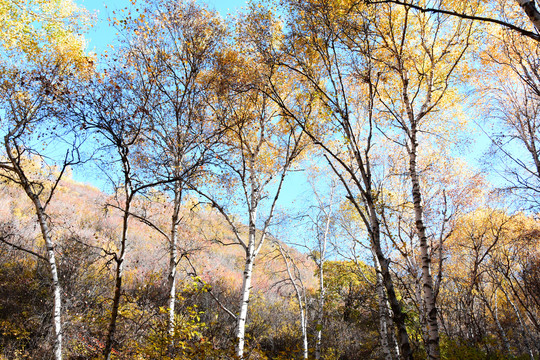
<point>39,29</point>
<point>32,124</point>
<point>259,147</point>
<point>323,226</point>
<point>41,54</point>
<point>295,279</point>
<point>172,47</point>
<point>324,48</point>
<point>112,108</point>
<point>320,223</point>
<point>259,163</point>
<point>512,123</point>
<point>519,16</point>
<point>421,56</point>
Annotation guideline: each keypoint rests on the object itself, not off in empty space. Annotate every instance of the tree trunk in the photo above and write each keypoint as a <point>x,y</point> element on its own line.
<point>429,297</point>
<point>393,340</point>
<point>303,321</point>
<point>399,316</point>
<point>304,332</point>
<point>525,334</point>
<point>495,314</point>
<point>320,315</point>
<point>384,328</point>
<point>529,6</point>
<point>383,323</point>
<point>320,265</point>
<point>246,288</point>
<point>49,245</point>
<point>303,318</point>
<point>248,272</point>
<point>171,278</point>
<point>300,297</point>
<point>118,285</point>
<point>371,221</point>
<point>57,312</point>
<point>173,262</point>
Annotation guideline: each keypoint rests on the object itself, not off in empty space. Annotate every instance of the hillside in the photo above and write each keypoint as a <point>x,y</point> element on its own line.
<point>86,232</point>
<point>320,179</point>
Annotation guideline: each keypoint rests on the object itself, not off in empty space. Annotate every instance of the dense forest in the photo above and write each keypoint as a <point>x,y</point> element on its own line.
<point>147,206</point>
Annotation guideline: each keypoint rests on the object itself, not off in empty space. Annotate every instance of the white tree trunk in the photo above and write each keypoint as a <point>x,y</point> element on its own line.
<point>171,278</point>
<point>383,314</point>
<point>300,295</point>
<point>246,288</point>
<point>49,245</point>
<point>320,315</point>
<point>303,324</point>
<point>57,292</point>
<point>322,256</point>
<point>433,349</point>
<point>173,261</point>
<point>248,272</point>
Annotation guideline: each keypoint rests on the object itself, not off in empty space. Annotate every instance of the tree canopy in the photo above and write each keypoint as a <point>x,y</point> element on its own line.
<point>410,128</point>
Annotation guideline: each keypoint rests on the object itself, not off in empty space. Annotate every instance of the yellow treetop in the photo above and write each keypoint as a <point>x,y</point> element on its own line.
<point>36,29</point>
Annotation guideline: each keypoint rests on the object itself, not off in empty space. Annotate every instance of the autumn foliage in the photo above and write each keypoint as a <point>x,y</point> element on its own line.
<point>147,208</point>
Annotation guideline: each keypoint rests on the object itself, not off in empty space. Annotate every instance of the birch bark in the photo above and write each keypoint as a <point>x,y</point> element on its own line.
<point>320,315</point>
<point>386,328</point>
<point>322,233</point>
<point>300,292</point>
<point>39,208</point>
<point>246,289</point>
<point>399,316</point>
<point>57,291</point>
<point>427,279</point>
<point>173,259</point>
<point>171,278</point>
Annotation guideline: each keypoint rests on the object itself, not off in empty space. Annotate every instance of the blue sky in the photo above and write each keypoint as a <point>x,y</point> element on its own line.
<point>296,193</point>
<point>102,34</point>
